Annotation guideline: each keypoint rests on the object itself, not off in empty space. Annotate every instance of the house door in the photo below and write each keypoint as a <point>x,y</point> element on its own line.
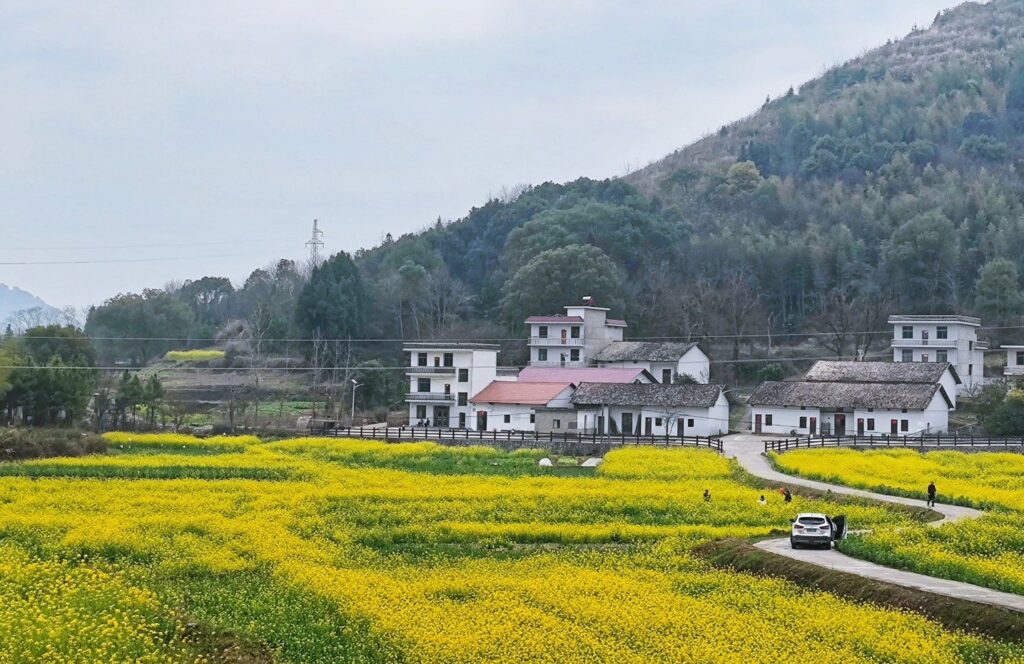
<point>627,423</point>
<point>757,423</point>
<point>441,415</point>
<point>860,426</point>
<point>481,420</point>
<point>563,337</point>
<point>814,425</point>
<point>648,429</point>
<point>894,427</point>
<point>462,420</point>
<point>600,424</point>
<point>840,424</point>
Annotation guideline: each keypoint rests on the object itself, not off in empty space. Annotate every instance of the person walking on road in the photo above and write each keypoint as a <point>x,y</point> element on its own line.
<point>931,495</point>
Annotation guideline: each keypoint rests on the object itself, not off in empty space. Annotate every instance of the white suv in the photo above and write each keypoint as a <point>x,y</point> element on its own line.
<point>814,529</point>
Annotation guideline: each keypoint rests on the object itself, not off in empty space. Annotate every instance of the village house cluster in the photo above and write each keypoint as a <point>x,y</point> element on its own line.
<point>585,377</point>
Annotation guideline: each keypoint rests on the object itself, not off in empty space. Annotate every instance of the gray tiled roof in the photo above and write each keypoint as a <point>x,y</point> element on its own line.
<point>643,351</point>
<point>879,372</point>
<point>890,396</point>
<point>636,394</point>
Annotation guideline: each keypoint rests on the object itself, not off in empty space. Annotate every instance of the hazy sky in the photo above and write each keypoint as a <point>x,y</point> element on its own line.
<point>208,135</point>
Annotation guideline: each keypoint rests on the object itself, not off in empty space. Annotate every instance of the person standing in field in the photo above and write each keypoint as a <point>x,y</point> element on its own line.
<point>931,494</point>
<point>707,495</point>
<point>762,501</point>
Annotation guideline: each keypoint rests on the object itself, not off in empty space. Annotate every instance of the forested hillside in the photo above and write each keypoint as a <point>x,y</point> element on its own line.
<point>892,182</point>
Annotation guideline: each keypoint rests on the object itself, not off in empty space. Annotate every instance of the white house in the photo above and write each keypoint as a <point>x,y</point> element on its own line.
<point>651,409</point>
<point>572,339</point>
<point>1014,361</point>
<point>442,376</point>
<point>664,360</point>
<point>948,338</point>
<point>512,406</point>
<point>840,409</point>
<point>927,373</point>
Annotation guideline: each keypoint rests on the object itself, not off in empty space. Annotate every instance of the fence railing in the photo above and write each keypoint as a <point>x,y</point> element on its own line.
<point>509,439</point>
<point>929,441</point>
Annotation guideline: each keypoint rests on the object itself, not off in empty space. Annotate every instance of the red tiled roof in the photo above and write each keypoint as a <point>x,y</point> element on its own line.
<point>529,394</point>
<point>577,376</point>
<point>554,319</point>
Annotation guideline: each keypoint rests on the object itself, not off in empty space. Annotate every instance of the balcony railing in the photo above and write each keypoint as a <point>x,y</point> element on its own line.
<point>432,397</point>
<point>555,341</point>
<point>578,364</point>
<point>921,343</point>
<point>432,371</point>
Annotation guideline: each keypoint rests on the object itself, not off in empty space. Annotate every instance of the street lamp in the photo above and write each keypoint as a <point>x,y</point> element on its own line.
<point>352,417</point>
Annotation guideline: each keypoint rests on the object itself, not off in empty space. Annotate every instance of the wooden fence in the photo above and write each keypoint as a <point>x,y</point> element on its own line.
<point>919,441</point>
<point>564,442</point>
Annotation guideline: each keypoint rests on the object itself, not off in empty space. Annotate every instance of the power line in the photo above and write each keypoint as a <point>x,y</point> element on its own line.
<point>687,339</point>
<point>101,261</point>
<point>148,245</point>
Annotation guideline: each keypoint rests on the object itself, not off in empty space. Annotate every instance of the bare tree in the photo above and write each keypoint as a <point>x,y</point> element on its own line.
<point>259,323</point>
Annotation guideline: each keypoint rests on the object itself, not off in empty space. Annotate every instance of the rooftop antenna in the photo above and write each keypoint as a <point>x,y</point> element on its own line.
<point>314,245</point>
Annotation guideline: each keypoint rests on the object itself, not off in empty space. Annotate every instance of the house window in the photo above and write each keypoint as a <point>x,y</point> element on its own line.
<point>421,412</point>
<point>666,376</point>
<point>924,357</point>
<point>908,331</point>
<point>449,359</point>
<point>421,359</point>
<point>574,354</point>
<point>462,420</point>
<point>571,425</point>
<point>768,419</point>
<point>657,421</point>
<point>970,369</point>
<point>508,418</point>
<point>575,332</point>
<point>447,388</point>
<point>908,356</point>
<point>542,354</point>
<point>463,375</point>
<point>904,425</point>
<point>463,398</point>
<point>422,384</point>
<point>970,345</point>
<point>533,418</point>
<point>803,422</point>
<point>542,331</point>
<point>903,410</point>
<point>942,332</point>
<point>871,424</point>
<point>941,356</point>
<point>556,424</point>
<point>689,422</point>
<point>1020,357</point>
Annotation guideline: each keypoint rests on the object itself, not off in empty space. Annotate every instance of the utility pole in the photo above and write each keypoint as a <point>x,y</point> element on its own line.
<point>315,243</point>
<point>352,417</point>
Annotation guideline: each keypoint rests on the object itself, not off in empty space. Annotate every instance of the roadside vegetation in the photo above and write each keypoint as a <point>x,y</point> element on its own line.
<point>336,550</point>
<point>988,551</point>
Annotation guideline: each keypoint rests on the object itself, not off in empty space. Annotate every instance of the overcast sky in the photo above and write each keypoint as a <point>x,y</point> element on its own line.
<point>208,134</point>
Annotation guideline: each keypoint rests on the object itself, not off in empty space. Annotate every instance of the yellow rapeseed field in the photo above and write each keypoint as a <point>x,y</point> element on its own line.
<point>988,551</point>
<point>198,355</point>
<point>341,550</point>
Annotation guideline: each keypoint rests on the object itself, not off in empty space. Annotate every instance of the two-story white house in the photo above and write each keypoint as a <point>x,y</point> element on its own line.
<point>442,378</point>
<point>574,338</point>
<point>1014,361</point>
<point>663,360</point>
<point>947,338</point>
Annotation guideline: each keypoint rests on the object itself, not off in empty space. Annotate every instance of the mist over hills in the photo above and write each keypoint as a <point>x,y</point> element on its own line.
<point>13,300</point>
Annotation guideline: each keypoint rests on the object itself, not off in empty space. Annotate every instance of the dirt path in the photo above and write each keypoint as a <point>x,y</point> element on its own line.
<point>748,450</point>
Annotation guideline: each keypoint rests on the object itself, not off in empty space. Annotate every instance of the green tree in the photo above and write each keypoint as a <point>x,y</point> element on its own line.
<point>557,277</point>
<point>137,327</point>
<point>921,256</point>
<point>997,291</point>
<point>1007,418</point>
<point>333,304</point>
<point>53,376</point>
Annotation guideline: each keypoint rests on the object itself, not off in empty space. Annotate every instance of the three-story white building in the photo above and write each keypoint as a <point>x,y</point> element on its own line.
<point>574,338</point>
<point>952,339</point>
<point>443,377</point>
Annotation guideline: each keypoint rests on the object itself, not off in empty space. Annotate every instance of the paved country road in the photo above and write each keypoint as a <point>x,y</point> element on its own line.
<point>748,450</point>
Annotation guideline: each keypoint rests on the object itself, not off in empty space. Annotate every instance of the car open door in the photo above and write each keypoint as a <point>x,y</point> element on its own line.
<point>839,529</point>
